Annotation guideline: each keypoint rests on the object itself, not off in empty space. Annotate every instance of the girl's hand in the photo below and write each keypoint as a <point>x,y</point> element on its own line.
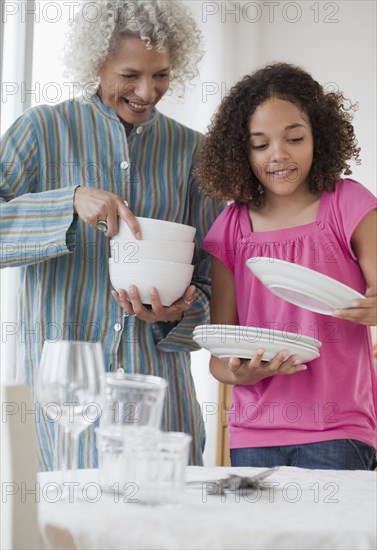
<point>363,312</point>
<point>94,205</point>
<point>132,306</point>
<point>255,370</point>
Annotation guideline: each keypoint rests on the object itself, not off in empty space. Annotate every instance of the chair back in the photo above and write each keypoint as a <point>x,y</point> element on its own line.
<point>19,514</point>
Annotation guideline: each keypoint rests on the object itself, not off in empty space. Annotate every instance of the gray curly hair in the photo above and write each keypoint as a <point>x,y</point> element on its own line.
<point>96,28</point>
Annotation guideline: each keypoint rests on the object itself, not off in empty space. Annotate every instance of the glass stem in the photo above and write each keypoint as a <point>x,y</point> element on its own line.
<point>75,464</point>
<point>61,448</point>
<point>58,447</point>
<point>64,456</point>
<point>62,452</point>
<point>75,450</point>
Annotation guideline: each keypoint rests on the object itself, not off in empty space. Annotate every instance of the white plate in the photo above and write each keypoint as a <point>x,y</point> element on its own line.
<point>247,351</point>
<point>240,331</point>
<point>302,286</point>
<point>251,340</point>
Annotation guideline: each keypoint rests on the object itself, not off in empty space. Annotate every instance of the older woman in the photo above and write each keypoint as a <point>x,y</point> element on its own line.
<point>69,166</point>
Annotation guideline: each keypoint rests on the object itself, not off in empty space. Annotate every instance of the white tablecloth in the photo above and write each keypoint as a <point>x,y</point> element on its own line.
<point>298,509</point>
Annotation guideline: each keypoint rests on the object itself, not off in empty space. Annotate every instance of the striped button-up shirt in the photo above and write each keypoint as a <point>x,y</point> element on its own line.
<point>65,291</point>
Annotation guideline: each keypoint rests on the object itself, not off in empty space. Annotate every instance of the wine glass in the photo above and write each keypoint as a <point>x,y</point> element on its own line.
<point>68,387</point>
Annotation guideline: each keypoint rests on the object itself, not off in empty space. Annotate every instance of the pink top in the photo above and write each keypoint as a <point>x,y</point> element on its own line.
<point>335,398</point>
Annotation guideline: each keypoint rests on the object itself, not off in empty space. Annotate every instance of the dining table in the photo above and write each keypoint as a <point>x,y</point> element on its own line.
<point>293,508</point>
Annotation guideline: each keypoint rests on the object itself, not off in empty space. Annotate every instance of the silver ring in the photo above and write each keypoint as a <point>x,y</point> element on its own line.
<point>189,302</point>
<point>102,226</point>
<point>126,314</point>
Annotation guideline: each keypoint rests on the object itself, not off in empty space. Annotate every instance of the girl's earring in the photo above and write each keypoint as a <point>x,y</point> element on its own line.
<point>260,189</point>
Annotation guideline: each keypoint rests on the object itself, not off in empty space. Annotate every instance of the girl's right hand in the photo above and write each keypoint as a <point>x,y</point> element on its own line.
<point>246,372</point>
<point>94,205</point>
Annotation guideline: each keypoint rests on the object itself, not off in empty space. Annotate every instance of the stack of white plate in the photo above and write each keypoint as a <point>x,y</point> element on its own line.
<point>161,259</point>
<point>226,341</point>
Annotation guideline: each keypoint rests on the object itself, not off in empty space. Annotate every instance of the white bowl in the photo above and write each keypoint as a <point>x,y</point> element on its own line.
<point>132,250</point>
<point>169,278</point>
<point>142,268</point>
<point>157,230</point>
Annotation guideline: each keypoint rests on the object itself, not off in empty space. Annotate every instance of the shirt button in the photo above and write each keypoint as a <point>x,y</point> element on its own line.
<point>117,327</point>
<point>139,129</point>
<point>124,165</point>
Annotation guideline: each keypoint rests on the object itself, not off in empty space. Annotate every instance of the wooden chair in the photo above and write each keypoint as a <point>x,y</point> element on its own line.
<point>19,525</point>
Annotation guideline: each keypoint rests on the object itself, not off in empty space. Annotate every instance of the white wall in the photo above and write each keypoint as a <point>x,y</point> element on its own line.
<point>334,41</point>
<point>340,52</point>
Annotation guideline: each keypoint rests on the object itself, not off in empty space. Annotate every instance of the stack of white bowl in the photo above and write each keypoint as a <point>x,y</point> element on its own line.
<point>161,259</point>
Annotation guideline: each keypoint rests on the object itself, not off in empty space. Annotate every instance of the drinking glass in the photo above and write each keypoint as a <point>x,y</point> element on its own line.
<point>155,463</point>
<point>68,389</point>
<point>132,399</point>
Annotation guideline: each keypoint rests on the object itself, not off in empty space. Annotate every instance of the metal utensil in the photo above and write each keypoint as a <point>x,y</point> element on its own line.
<point>234,482</point>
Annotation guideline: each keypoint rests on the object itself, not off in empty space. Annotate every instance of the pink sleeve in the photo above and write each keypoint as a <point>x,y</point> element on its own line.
<point>221,239</point>
<point>352,203</point>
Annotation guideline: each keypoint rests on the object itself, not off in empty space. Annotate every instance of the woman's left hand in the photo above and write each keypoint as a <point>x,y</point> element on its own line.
<point>363,312</point>
<point>132,306</point>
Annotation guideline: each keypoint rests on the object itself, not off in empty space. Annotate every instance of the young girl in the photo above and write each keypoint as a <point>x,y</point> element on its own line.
<point>277,148</point>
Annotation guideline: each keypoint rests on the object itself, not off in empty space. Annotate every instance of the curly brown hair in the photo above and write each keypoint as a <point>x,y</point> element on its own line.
<point>224,169</point>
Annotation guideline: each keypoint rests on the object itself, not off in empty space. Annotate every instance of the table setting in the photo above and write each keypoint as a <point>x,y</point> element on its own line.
<point>144,495</point>
<point>295,508</point>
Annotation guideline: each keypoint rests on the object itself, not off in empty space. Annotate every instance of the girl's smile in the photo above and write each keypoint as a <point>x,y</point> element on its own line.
<point>282,173</point>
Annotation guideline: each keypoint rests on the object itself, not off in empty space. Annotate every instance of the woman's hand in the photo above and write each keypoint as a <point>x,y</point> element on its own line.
<point>363,312</point>
<point>94,205</point>
<point>245,372</point>
<point>132,306</point>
